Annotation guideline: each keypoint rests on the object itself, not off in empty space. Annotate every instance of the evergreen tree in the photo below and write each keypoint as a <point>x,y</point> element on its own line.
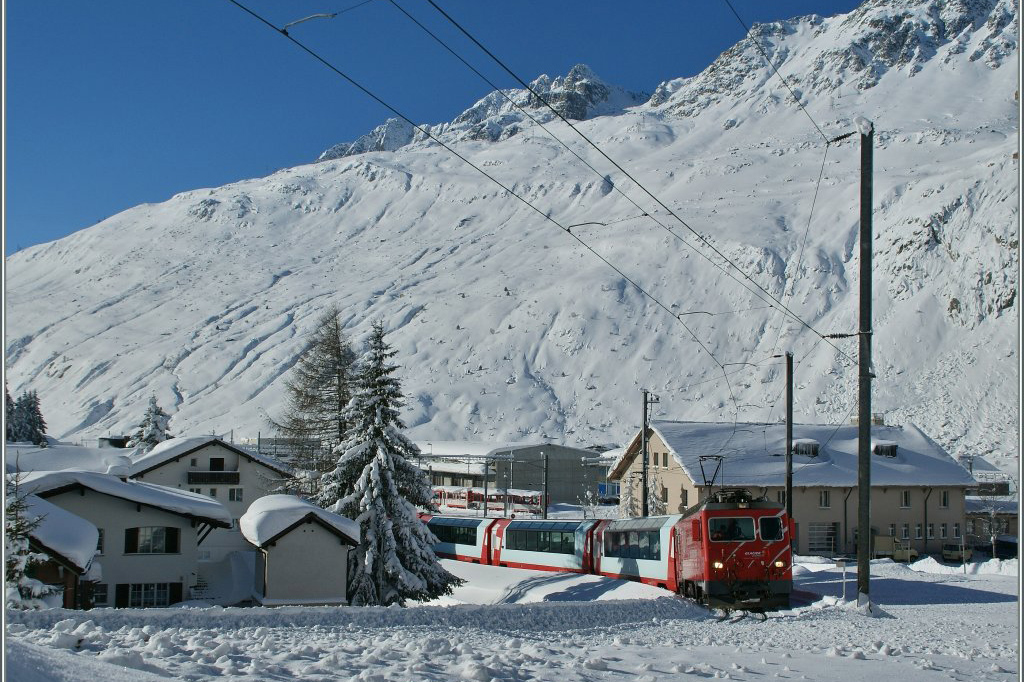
<point>319,389</point>
<point>376,483</point>
<point>153,428</point>
<point>656,505</point>
<point>21,590</point>
<point>627,496</point>
<point>29,424</point>
<point>8,414</point>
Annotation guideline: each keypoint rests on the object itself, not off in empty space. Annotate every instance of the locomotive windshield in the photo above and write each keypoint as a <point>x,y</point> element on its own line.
<point>771,528</point>
<point>725,529</point>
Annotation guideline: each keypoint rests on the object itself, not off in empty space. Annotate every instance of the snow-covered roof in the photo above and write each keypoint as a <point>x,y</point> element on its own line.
<point>174,448</point>
<point>161,497</point>
<point>754,455</point>
<point>444,466</point>
<point>989,505</point>
<point>60,532</point>
<point>459,448</point>
<point>61,456</point>
<point>271,516</point>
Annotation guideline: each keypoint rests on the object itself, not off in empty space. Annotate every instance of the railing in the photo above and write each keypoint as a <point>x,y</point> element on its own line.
<point>223,477</point>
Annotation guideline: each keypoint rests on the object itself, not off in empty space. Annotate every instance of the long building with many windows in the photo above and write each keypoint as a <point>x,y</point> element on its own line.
<point>917,490</point>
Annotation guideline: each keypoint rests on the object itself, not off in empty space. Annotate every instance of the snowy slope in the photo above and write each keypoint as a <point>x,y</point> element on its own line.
<point>508,329</point>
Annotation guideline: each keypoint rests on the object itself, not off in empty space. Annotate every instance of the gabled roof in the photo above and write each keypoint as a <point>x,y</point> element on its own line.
<point>273,516</point>
<point>190,505</point>
<point>67,538</point>
<point>175,448</point>
<point>754,455</point>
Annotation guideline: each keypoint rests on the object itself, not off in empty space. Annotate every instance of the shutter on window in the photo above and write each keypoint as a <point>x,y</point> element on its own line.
<point>174,593</point>
<point>121,596</point>
<point>131,542</point>
<point>173,540</point>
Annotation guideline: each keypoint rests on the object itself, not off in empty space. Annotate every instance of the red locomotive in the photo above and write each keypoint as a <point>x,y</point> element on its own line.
<point>729,551</point>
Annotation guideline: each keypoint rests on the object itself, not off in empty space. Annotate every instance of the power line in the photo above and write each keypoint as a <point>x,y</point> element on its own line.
<point>774,68</point>
<point>490,177</point>
<point>586,163</point>
<point>622,170</point>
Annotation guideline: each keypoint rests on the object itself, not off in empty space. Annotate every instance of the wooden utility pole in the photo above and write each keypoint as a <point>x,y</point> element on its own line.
<point>544,500</point>
<point>867,133</point>
<point>789,437</point>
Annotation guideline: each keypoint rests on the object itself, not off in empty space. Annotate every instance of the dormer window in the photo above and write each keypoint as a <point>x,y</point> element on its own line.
<point>884,448</point>
<point>806,447</point>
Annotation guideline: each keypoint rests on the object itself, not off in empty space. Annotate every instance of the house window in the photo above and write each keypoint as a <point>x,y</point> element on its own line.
<point>931,531</point>
<point>956,530</point>
<point>892,530</point>
<point>685,497</point>
<point>152,540</point>
<point>664,459</point>
<point>216,464</point>
<point>143,595</point>
<point>905,499</point>
<point>198,491</point>
<point>824,499</point>
<point>906,531</point>
<point>781,497</point>
<point>99,594</point>
<point>918,531</point>
<point>99,542</point>
<point>234,494</point>
<point>213,492</point>
<point>944,499</point>
<point>664,494</point>
<point>194,462</point>
<point>943,530</point>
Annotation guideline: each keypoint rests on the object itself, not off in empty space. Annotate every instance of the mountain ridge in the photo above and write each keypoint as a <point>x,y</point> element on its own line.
<point>508,330</point>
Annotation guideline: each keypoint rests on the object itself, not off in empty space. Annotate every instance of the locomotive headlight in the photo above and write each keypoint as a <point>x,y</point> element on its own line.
<point>718,565</point>
<point>780,564</point>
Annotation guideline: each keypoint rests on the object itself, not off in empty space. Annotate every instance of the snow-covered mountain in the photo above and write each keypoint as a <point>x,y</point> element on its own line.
<point>508,328</point>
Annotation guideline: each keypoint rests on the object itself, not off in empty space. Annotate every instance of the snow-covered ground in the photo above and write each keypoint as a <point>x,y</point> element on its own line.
<point>514,625</point>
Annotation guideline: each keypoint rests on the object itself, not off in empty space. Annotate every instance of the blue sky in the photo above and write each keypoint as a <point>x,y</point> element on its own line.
<point>121,102</point>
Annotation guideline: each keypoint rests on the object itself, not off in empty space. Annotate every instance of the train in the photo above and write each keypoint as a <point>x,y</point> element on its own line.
<point>730,551</point>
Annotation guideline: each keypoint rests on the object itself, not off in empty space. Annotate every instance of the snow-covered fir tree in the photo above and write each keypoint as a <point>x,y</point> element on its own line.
<point>655,500</point>
<point>376,484</point>
<point>627,497</point>
<point>153,428</point>
<point>28,424</point>
<point>21,590</point>
<point>8,414</point>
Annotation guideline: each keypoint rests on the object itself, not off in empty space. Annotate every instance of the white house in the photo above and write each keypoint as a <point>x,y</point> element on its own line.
<point>303,551</point>
<point>148,535</point>
<point>208,466</point>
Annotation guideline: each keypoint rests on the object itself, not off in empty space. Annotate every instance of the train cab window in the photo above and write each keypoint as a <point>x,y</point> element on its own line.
<point>731,529</point>
<point>771,528</point>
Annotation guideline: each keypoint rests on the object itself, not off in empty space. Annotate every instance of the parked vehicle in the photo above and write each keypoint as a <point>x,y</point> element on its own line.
<point>888,546</point>
<point>957,553</point>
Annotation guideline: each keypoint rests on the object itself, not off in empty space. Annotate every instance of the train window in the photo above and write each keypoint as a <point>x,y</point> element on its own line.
<point>633,545</point>
<point>771,528</point>
<point>724,529</point>
<point>534,540</point>
<point>458,535</point>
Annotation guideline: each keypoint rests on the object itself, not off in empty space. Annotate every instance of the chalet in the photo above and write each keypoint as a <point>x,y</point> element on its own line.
<point>208,466</point>
<point>70,542</point>
<point>917,488</point>
<point>148,536</point>
<point>288,532</point>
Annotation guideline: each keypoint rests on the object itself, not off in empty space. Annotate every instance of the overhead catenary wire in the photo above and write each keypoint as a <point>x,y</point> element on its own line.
<point>547,217</point>
<point>622,170</point>
<point>557,139</point>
